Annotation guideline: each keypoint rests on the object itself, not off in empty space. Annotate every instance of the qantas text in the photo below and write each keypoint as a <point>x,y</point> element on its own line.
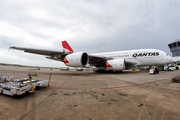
<point>145,54</point>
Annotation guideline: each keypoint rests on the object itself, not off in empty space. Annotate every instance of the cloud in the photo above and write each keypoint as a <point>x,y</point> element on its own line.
<point>91,26</point>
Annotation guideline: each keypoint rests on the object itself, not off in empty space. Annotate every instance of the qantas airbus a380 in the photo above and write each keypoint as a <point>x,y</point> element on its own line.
<point>116,61</point>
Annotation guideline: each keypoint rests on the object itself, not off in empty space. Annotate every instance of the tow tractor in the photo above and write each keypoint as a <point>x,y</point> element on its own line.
<point>154,71</point>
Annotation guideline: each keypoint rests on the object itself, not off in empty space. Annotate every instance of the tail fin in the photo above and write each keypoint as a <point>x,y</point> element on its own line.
<point>66,47</point>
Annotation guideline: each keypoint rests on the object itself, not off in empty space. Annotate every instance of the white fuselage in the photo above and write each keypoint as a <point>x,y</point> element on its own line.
<point>142,57</point>
<point>118,60</point>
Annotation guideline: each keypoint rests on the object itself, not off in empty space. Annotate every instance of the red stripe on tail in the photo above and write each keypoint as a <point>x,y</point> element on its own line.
<point>66,46</point>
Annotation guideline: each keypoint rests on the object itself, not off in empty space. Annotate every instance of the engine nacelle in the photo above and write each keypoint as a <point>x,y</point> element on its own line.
<point>78,59</point>
<point>116,64</point>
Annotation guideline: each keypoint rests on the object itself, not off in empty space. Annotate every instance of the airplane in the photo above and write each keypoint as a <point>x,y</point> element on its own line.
<point>112,61</point>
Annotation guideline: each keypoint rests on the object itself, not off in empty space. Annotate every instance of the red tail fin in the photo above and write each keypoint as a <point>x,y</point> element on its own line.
<point>66,46</point>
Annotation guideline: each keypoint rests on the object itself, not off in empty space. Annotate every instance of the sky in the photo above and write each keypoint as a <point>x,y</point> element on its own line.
<point>87,25</point>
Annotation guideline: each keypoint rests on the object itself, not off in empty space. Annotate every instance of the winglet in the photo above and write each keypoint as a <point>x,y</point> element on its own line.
<point>66,46</point>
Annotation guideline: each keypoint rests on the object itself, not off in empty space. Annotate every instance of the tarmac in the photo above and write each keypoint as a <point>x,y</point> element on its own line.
<point>85,95</point>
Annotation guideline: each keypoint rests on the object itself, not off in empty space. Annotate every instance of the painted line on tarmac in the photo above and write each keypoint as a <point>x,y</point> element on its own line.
<point>109,87</point>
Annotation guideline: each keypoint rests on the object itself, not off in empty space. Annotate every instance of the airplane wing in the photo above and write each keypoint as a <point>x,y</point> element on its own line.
<point>94,60</point>
<point>100,61</point>
<point>54,55</point>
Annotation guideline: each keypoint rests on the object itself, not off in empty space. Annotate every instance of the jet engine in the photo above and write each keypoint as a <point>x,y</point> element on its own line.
<point>116,64</point>
<point>78,59</point>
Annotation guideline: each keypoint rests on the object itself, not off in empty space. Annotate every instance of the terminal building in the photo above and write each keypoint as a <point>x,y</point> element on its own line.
<point>175,50</point>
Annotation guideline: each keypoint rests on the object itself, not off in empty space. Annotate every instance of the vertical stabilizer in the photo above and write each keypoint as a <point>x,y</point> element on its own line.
<point>66,47</point>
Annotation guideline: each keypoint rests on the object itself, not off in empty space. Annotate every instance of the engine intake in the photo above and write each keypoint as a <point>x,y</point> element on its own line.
<point>78,59</point>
